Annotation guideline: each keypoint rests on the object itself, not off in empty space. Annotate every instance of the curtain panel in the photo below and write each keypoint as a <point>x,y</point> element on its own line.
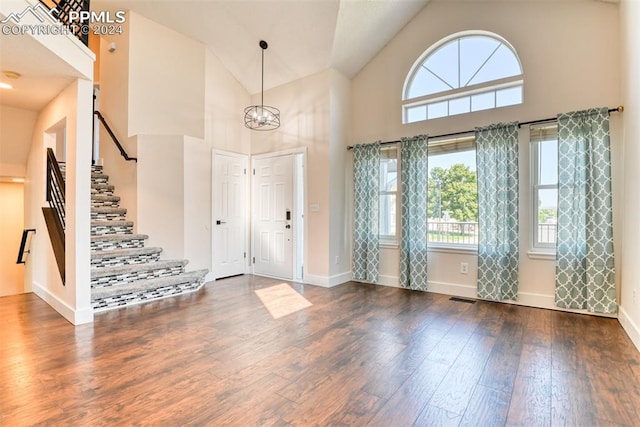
<point>497,170</point>
<point>414,172</point>
<point>585,275</point>
<point>366,171</point>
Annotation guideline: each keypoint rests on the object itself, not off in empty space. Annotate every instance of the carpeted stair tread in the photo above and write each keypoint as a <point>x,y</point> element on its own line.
<point>109,210</point>
<point>141,286</point>
<point>104,198</point>
<point>131,268</point>
<point>125,252</point>
<point>102,186</point>
<point>119,237</point>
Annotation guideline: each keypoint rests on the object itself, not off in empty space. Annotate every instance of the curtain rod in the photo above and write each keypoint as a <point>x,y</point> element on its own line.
<point>618,109</point>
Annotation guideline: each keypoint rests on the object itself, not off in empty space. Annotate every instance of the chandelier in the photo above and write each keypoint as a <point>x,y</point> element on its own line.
<point>262,117</point>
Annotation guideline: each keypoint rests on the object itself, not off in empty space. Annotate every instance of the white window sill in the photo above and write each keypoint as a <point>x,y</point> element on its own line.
<point>453,249</point>
<point>546,256</point>
<point>388,245</point>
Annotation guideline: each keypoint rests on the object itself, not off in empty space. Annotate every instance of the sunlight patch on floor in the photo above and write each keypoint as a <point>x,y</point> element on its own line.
<point>282,300</point>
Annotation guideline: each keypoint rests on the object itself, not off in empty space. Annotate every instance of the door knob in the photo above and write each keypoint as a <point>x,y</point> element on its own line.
<point>288,226</point>
<point>218,222</point>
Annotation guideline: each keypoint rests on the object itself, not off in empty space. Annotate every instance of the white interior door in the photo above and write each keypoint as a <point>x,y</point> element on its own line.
<point>273,216</point>
<point>229,214</point>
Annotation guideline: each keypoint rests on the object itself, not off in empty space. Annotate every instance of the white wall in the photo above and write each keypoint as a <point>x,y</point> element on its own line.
<point>630,298</point>
<point>72,300</point>
<point>570,55</point>
<point>340,230</point>
<point>16,129</point>
<point>114,105</point>
<point>166,80</point>
<point>11,226</point>
<point>161,192</point>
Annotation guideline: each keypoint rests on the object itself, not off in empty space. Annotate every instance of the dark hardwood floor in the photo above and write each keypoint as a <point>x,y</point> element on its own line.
<point>360,355</point>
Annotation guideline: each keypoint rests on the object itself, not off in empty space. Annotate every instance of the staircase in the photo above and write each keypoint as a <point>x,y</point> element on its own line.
<point>123,271</point>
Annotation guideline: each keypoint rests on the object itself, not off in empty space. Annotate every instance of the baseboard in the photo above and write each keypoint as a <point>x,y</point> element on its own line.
<point>465,291</point>
<point>76,317</point>
<point>391,281</point>
<point>629,327</point>
<point>327,281</point>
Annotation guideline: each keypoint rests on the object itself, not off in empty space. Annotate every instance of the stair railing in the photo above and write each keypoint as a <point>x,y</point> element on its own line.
<point>54,216</point>
<point>23,245</point>
<point>123,153</point>
<point>55,187</point>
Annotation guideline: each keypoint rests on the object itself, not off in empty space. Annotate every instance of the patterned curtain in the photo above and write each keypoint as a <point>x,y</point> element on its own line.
<point>585,276</point>
<point>366,171</point>
<point>497,164</point>
<point>413,235</point>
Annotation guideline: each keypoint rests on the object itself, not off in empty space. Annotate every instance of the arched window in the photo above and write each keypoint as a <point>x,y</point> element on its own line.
<point>465,72</point>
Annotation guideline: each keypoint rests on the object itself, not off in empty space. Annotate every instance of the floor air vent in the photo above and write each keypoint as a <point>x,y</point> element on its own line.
<point>468,301</point>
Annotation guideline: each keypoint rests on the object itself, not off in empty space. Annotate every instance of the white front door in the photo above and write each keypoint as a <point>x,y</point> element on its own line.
<point>273,216</point>
<point>229,214</point>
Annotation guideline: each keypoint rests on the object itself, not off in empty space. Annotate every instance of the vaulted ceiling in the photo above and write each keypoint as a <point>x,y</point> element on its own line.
<point>304,36</point>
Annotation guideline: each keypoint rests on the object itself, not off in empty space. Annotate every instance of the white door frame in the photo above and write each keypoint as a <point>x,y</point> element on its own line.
<point>298,271</point>
<point>247,205</point>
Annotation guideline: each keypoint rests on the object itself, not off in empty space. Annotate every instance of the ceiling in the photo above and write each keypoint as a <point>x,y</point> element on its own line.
<point>43,74</point>
<point>304,36</point>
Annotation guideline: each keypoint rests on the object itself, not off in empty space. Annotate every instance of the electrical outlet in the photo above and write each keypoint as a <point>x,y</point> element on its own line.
<point>464,267</point>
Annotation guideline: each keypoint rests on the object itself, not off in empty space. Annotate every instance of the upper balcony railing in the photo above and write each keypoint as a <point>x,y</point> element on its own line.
<point>64,9</point>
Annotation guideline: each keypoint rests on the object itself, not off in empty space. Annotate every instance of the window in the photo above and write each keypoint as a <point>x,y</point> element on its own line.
<point>388,194</point>
<point>544,178</point>
<point>463,73</point>
<point>453,193</point>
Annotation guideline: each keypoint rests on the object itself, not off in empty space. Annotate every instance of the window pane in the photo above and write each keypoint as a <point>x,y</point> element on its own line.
<point>511,96</point>
<point>438,109</point>
<point>459,105</point>
<point>387,215</point>
<point>474,51</point>
<point>444,63</point>
<point>502,64</point>
<point>425,83</point>
<point>548,162</point>
<point>389,169</point>
<point>416,114</point>
<point>483,101</point>
<point>453,198</point>
<point>547,215</point>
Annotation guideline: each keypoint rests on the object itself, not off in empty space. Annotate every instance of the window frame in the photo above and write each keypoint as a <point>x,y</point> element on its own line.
<point>460,93</point>
<point>387,239</point>
<point>537,247</point>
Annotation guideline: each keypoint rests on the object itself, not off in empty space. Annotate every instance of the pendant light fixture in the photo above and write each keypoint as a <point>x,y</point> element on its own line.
<point>262,117</point>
